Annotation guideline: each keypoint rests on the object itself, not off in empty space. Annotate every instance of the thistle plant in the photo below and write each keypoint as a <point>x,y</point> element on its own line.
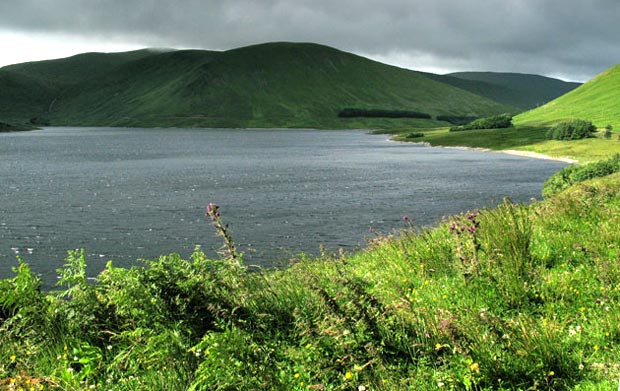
<point>228,251</point>
<point>468,244</point>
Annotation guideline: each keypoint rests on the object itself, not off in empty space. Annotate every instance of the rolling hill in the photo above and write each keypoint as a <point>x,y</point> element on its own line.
<point>524,91</point>
<point>596,100</point>
<point>267,85</point>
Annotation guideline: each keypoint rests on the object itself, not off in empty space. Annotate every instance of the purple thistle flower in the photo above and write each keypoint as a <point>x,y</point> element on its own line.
<point>213,211</point>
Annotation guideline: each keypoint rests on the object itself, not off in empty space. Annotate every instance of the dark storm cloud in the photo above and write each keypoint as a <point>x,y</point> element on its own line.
<point>570,38</point>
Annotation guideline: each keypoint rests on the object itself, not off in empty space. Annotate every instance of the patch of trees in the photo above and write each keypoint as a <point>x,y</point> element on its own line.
<point>456,119</point>
<point>414,135</point>
<point>571,130</point>
<point>493,122</point>
<point>608,130</point>
<point>379,113</point>
<point>575,174</point>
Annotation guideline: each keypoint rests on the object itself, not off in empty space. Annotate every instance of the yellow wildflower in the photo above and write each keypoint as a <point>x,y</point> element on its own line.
<point>13,357</point>
<point>348,376</point>
<point>475,367</point>
<point>296,376</point>
<point>551,373</point>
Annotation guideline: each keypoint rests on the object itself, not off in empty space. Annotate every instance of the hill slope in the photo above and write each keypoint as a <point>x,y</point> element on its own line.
<point>277,84</point>
<point>77,68</point>
<point>520,90</point>
<point>23,97</point>
<point>597,100</point>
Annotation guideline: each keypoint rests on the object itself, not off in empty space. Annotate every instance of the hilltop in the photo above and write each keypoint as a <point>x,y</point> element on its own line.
<point>596,100</point>
<point>276,84</point>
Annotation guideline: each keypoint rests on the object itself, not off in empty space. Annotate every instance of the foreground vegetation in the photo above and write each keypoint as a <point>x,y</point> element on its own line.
<point>518,297</point>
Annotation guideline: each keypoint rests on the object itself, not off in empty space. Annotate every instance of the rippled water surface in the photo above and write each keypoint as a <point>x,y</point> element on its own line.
<point>125,194</point>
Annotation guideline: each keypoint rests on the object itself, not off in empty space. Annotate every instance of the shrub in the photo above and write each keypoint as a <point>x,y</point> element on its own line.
<point>495,122</point>
<point>608,130</point>
<point>414,135</point>
<point>575,174</point>
<point>571,130</point>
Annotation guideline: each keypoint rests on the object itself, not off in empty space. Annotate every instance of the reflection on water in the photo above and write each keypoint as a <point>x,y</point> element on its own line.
<point>125,194</point>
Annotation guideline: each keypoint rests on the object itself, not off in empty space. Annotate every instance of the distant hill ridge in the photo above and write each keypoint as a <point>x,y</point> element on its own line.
<point>268,85</point>
<point>596,100</point>
<point>521,90</point>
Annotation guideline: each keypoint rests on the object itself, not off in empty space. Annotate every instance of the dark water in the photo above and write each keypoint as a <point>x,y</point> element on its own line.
<point>125,194</point>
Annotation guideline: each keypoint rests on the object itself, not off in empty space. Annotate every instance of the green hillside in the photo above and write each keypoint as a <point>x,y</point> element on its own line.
<point>520,90</point>
<point>68,71</point>
<point>597,101</point>
<point>276,84</point>
<point>23,97</point>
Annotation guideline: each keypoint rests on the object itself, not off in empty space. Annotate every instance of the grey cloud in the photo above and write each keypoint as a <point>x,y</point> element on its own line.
<point>573,38</point>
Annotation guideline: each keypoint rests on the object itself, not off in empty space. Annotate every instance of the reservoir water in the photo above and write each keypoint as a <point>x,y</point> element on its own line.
<point>129,194</point>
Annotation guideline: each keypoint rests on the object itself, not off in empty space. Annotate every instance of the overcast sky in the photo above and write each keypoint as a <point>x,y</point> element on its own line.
<point>569,39</point>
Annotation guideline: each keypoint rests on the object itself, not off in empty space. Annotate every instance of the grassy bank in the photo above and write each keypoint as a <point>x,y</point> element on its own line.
<point>518,297</point>
<point>522,138</point>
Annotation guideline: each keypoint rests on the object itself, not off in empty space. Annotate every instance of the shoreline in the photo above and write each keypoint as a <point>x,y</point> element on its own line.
<point>537,155</point>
